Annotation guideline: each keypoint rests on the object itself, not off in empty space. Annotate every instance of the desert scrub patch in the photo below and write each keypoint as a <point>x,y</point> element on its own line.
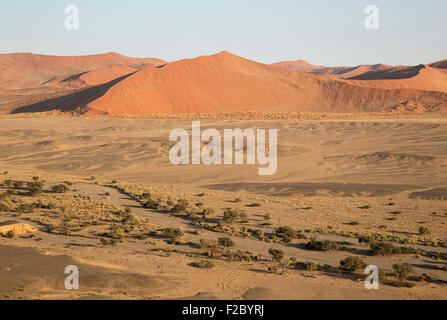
<point>208,212</point>
<point>172,235</point>
<point>325,245</point>
<point>225,242</point>
<point>180,206</point>
<point>233,215</point>
<point>238,255</point>
<point>402,271</point>
<point>308,266</point>
<point>388,249</point>
<point>365,207</point>
<point>287,234</point>
<point>352,263</point>
<point>204,264</point>
<point>60,188</point>
<point>423,231</point>
<point>277,254</point>
<point>10,234</point>
<point>34,188</point>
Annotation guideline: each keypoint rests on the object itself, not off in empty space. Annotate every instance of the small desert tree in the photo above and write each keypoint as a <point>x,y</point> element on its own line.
<point>352,264</point>
<point>277,255</point>
<point>402,271</point>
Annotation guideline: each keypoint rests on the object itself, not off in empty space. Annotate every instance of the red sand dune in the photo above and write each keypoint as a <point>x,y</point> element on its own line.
<point>419,77</point>
<point>228,83</point>
<point>339,72</point>
<point>26,70</point>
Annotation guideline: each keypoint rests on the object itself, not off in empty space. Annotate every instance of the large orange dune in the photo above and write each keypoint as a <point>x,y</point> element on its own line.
<point>228,83</point>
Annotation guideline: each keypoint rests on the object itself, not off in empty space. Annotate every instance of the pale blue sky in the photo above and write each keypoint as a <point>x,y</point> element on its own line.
<point>324,32</point>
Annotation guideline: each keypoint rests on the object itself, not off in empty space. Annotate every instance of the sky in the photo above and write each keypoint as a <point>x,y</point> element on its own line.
<point>322,32</point>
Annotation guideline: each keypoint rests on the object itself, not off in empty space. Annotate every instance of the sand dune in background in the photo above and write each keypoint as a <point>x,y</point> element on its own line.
<point>26,70</point>
<point>228,83</point>
<point>339,72</point>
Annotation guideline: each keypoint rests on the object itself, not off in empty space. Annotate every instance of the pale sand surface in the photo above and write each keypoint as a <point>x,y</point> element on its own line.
<point>326,171</point>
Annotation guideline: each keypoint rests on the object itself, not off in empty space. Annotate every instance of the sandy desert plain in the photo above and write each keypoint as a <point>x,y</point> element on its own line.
<point>337,180</point>
<point>86,180</point>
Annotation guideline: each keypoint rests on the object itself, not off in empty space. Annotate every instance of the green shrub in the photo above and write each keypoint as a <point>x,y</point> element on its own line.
<point>365,207</point>
<point>231,215</point>
<point>35,178</point>
<point>273,270</point>
<point>384,249</point>
<point>180,206</point>
<point>308,266</point>
<point>60,188</point>
<point>325,245</point>
<point>424,277</point>
<point>285,231</point>
<point>366,238</point>
<point>208,212</point>
<point>8,182</point>
<point>225,242</point>
<point>423,231</point>
<point>172,233</point>
<point>277,255</point>
<point>10,234</point>
<point>352,264</point>
<point>152,204</point>
<point>402,271</point>
<point>35,188</point>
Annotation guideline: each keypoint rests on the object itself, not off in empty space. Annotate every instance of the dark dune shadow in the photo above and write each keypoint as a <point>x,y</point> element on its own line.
<point>74,77</point>
<point>71,101</point>
<point>315,188</point>
<point>432,194</point>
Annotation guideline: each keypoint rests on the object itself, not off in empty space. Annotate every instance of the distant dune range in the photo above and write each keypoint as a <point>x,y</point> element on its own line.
<point>27,78</point>
<point>117,85</point>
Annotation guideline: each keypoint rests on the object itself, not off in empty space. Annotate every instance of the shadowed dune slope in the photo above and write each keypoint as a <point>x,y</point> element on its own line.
<point>71,102</point>
<point>440,64</point>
